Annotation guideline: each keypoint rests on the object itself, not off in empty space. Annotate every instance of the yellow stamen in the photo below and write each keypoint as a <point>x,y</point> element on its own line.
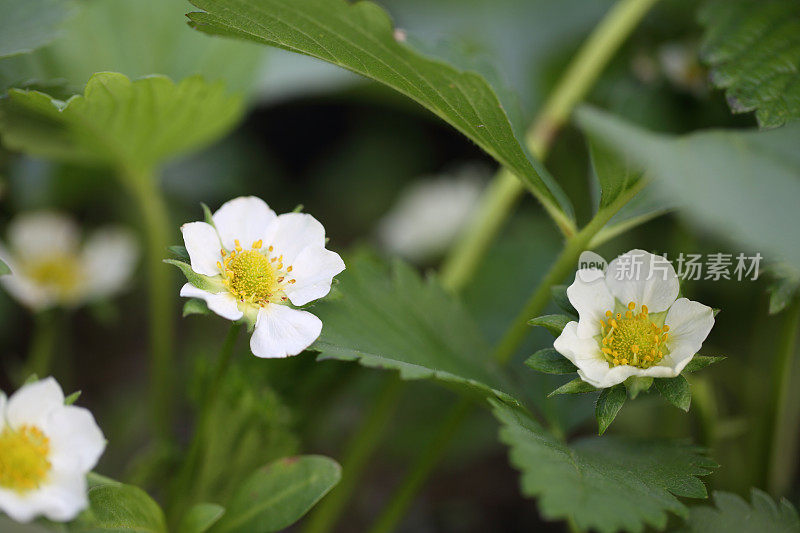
<point>24,458</point>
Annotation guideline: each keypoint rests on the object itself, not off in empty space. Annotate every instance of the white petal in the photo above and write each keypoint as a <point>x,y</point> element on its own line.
<point>33,234</point>
<point>33,403</point>
<point>3,401</point>
<point>202,243</point>
<point>618,374</point>
<point>293,232</point>
<point>64,496</point>
<point>584,352</point>
<point>689,324</point>
<point>222,303</point>
<point>27,292</point>
<point>591,299</point>
<point>643,278</point>
<point>109,257</point>
<point>76,440</point>
<point>245,218</point>
<point>20,508</point>
<point>313,271</point>
<point>282,331</point>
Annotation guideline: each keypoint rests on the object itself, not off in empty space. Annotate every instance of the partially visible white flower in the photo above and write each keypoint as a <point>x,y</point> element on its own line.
<point>429,215</point>
<point>46,450</point>
<point>631,322</point>
<point>255,263</point>
<point>50,267</point>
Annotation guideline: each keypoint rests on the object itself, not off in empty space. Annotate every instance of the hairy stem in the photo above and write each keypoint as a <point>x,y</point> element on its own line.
<point>155,218</point>
<point>356,457</point>
<point>781,449</point>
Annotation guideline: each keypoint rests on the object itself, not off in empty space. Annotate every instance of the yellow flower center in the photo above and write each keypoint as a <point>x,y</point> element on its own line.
<point>632,339</point>
<point>24,460</point>
<point>254,276</point>
<point>59,273</point>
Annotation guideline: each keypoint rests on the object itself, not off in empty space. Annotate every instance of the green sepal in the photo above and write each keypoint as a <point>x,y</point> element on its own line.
<point>72,398</point>
<point>699,362</point>
<point>637,384</point>
<point>608,405</point>
<point>555,324</point>
<point>4,269</point>
<point>196,306</point>
<point>676,391</point>
<point>209,218</point>
<point>576,386</point>
<point>550,361</point>
<point>33,378</point>
<point>560,298</point>
<point>205,283</point>
<point>180,252</point>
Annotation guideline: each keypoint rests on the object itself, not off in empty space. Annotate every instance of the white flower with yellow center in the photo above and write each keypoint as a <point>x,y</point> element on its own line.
<point>50,267</point>
<point>46,450</point>
<point>256,265</point>
<point>631,322</point>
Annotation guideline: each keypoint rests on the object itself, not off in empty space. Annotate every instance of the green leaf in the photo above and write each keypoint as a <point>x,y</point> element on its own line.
<point>576,386</point>
<point>733,513</point>
<point>279,494</point>
<point>560,298</point>
<point>195,306</point>
<point>30,24</point>
<point>553,323</point>
<point>360,37</point>
<point>614,173</point>
<point>206,283</point>
<point>179,252</point>
<point>550,361</point>
<point>699,362</point>
<point>115,507</point>
<point>201,517</point>
<point>754,54</point>
<point>741,184</point>
<point>608,405</point>
<point>784,288</point>
<point>393,319</point>
<point>605,484</point>
<point>4,268</point>
<point>676,391</point>
<point>136,125</point>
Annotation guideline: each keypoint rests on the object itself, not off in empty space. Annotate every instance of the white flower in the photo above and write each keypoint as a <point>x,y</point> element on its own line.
<point>631,322</point>
<point>255,264</point>
<point>50,267</point>
<point>46,450</point>
<point>429,215</point>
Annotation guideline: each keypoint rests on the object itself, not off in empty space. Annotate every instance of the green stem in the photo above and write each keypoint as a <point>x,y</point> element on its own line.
<point>430,457</point>
<point>505,190</point>
<point>356,457</point>
<point>43,344</point>
<point>781,456</point>
<point>183,487</point>
<point>144,187</point>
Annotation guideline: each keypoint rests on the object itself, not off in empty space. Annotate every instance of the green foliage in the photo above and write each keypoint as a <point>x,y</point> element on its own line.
<point>733,513</point>
<point>201,281</point>
<point>553,323</point>
<point>135,125</point>
<point>637,384</point>
<point>614,174</point>
<point>393,319</point>
<point>742,184</point>
<point>550,361</point>
<point>576,386</point>
<point>201,518</point>
<point>195,306</point>
<point>117,507</point>
<point>754,54</point>
<point>279,494</point>
<point>26,26</point>
<point>560,298</point>
<point>699,362</point>
<point>676,391</point>
<point>605,484</point>
<point>360,38</point>
<point>784,287</point>
<point>608,405</point>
